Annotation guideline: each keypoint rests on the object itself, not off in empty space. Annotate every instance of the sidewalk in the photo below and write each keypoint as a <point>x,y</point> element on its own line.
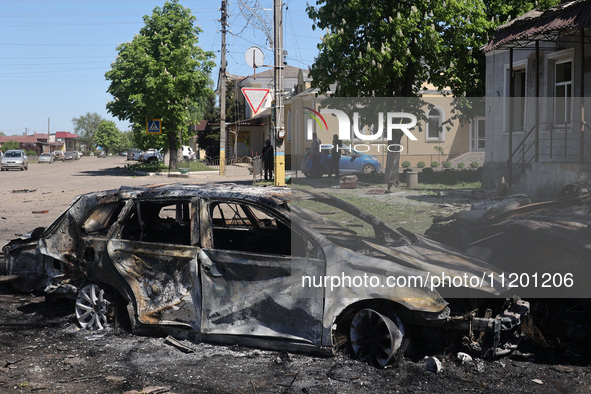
<point>207,176</point>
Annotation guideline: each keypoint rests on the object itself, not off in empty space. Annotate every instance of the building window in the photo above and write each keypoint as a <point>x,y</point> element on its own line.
<point>310,126</point>
<point>518,100</point>
<point>562,92</point>
<point>477,138</point>
<point>434,122</point>
<point>288,126</point>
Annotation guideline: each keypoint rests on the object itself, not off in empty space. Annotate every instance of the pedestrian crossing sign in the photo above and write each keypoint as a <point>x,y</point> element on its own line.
<point>154,126</point>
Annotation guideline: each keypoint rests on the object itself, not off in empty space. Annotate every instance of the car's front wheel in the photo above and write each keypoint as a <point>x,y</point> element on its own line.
<point>92,307</point>
<point>375,338</point>
<point>368,169</point>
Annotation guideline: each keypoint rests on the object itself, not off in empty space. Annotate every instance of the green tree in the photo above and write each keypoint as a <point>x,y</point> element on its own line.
<point>390,49</point>
<point>160,74</point>
<point>125,141</point>
<point>2,134</point>
<point>107,136</point>
<point>86,126</point>
<point>8,145</point>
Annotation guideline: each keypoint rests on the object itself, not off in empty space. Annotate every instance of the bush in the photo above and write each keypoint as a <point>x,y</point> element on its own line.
<point>421,164</point>
<point>449,176</point>
<point>405,164</point>
<point>461,165</point>
<point>446,164</point>
<point>31,153</point>
<point>474,164</point>
<point>434,164</point>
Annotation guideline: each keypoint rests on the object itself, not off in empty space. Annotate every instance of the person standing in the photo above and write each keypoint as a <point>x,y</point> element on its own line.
<point>335,156</point>
<point>315,151</point>
<point>268,157</point>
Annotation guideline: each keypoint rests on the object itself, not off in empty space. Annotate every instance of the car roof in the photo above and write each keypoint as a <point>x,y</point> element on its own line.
<point>270,195</point>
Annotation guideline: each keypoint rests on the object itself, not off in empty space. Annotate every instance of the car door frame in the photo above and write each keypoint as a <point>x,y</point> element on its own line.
<point>265,302</point>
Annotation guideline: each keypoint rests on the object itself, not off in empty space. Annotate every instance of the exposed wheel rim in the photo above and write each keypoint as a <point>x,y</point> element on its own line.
<point>91,308</point>
<point>375,338</point>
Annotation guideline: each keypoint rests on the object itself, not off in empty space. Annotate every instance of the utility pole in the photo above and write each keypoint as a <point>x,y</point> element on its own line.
<point>279,132</point>
<point>222,81</point>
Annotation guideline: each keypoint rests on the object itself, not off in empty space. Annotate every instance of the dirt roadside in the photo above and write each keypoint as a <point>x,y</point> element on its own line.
<point>42,349</point>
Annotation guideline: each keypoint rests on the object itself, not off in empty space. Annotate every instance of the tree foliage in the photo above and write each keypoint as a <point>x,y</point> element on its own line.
<point>10,145</point>
<point>211,113</point>
<point>160,74</point>
<point>108,136</point>
<point>391,49</point>
<point>86,126</point>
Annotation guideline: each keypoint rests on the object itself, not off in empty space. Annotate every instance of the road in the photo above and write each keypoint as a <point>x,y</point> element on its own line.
<point>50,189</point>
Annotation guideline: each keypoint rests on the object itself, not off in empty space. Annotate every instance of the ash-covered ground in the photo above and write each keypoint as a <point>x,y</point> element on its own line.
<point>43,350</point>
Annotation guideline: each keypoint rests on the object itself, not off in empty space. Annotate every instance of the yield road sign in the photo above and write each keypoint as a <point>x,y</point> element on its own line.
<point>255,97</point>
<point>154,126</point>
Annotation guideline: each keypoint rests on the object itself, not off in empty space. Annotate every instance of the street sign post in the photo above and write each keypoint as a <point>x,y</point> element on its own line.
<point>154,126</point>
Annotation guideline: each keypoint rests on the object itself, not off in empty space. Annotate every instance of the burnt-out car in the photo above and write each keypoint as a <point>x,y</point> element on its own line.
<point>258,267</point>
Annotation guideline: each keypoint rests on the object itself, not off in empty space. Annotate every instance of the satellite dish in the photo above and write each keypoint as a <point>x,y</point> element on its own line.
<point>254,57</point>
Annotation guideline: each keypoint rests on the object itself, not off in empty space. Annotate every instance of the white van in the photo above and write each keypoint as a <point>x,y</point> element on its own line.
<point>188,153</point>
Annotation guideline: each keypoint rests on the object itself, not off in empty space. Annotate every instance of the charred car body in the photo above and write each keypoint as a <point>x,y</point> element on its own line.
<point>227,263</point>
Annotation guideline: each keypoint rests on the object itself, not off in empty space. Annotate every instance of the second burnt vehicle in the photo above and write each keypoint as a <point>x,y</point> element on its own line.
<point>227,264</point>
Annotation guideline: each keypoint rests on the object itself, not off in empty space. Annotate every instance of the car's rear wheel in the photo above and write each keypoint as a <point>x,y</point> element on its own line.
<point>375,338</point>
<point>92,307</point>
<point>368,169</point>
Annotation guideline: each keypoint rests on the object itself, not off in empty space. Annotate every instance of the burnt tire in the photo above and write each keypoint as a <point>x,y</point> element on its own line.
<point>375,338</point>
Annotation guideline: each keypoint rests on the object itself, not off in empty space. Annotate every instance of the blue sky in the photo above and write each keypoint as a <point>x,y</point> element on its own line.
<point>54,54</point>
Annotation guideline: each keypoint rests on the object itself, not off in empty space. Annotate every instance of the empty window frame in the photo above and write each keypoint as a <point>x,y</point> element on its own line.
<point>101,219</point>
<point>159,222</point>
<point>245,227</point>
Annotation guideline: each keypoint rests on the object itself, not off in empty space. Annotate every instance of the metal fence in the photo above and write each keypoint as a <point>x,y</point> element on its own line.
<point>236,165</point>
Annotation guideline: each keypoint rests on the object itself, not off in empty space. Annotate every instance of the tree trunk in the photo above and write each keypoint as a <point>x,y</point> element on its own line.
<point>172,148</point>
<point>393,161</point>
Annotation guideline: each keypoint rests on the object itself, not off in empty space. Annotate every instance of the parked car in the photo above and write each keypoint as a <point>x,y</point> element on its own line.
<point>58,155</point>
<point>188,153</point>
<point>14,159</point>
<point>46,157</point>
<point>245,265</point>
<point>151,156</point>
<point>351,162</point>
<point>70,155</point>
<point>102,154</point>
<point>133,154</point>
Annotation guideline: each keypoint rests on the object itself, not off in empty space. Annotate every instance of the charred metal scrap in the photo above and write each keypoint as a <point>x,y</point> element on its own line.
<point>227,264</point>
<point>545,245</point>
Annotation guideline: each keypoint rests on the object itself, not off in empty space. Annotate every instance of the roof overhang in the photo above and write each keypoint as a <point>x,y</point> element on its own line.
<point>561,21</point>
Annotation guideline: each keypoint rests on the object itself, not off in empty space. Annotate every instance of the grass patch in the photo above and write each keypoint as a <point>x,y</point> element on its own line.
<point>159,167</point>
<point>449,177</point>
<point>441,186</point>
<point>413,216</point>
